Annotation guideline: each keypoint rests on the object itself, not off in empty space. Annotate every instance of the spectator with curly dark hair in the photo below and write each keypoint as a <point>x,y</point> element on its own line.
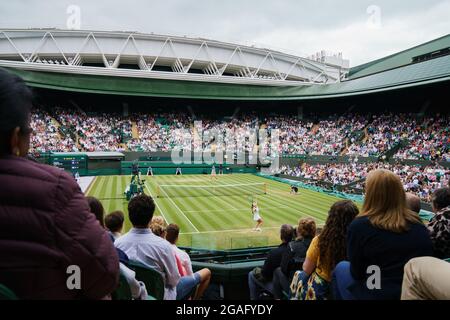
<point>325,252</point>
<point>384,237</point>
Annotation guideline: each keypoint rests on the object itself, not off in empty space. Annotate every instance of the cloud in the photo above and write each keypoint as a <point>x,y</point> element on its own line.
<point>360,42</point>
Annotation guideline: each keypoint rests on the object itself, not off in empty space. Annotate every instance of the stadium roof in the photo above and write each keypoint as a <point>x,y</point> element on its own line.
<point>423,64</point>
<point>131,54</point>
<point>402,58</point>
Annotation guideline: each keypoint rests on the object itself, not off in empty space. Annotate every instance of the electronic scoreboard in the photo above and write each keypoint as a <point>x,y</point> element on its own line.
<point>69,162</point>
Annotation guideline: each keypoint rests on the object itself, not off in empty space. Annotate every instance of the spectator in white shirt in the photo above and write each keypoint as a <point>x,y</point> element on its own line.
<point>141,245</point>
<point>138,289</point>
<point>201,277</point>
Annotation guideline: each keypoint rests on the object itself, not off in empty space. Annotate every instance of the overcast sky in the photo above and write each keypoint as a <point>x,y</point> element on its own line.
<point>362,30</point>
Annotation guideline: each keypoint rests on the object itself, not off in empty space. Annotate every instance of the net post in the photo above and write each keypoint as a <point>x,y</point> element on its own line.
<point>265,188</point>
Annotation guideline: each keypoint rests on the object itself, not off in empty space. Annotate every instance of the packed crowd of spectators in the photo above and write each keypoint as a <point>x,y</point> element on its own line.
<point>429,140</point>
<point>350,134</point>
<point>420,180</point>
<point>46,136</point>
<point>165,132</point>
<point>104,132</point>
<point>327,137</point>
<point>158,132</point>
<point>425,138</point>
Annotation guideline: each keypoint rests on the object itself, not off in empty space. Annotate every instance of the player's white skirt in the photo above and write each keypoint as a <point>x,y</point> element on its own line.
<point>256,217</point>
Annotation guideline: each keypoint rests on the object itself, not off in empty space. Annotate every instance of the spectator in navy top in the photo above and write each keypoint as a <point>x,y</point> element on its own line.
<point>384,237</point>
<point>260,279</point>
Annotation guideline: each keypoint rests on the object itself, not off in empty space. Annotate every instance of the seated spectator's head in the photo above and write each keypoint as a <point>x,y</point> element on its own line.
<point>96,208</point>
<point>306,228</point>
<point>440,199</point>
<point>140,211</point>
<point>332,238</point>
<point>158,226</point>
<point>158,229</point>
<point>158,220</point>
<point>172,233</point>
<point>15,107</point>
<point>413,202</point>
<point>286,233</point>
<point>385,202</point>
<point>114,221</point>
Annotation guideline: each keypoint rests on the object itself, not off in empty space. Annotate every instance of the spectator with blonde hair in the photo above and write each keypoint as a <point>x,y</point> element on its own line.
<point>158,226</point>
<point>380,241</point>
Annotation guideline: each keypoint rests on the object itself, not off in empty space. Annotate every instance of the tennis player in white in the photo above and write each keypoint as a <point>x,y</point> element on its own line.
<point>213,172</point>
<point>256,216</point>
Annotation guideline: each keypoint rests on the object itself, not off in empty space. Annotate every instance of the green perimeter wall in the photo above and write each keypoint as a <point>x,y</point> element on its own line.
<point>165,167</point>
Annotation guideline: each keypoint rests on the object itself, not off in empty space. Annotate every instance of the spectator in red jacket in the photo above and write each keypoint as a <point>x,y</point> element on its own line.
<point>45,222</point>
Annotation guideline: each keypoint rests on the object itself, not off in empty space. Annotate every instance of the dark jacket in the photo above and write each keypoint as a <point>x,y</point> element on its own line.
<point>273,261</point>
<point>46,226</point>
<point>390,251</point>
<point>294,256</point>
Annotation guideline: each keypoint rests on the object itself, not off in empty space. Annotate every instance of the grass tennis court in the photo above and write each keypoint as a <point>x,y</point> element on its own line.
<point>215,214</point>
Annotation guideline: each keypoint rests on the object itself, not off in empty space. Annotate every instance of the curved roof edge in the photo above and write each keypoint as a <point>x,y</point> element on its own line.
<point>431,71</point>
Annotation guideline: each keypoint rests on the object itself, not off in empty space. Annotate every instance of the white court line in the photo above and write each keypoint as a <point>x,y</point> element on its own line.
<point>181,211</point>
<point>218,197</point>
<point>237,209</point>
<point>154,200</point>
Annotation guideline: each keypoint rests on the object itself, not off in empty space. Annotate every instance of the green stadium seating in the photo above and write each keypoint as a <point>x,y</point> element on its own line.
<point>123,291</point>
<point>152,279</point>
<point>7,294</point>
